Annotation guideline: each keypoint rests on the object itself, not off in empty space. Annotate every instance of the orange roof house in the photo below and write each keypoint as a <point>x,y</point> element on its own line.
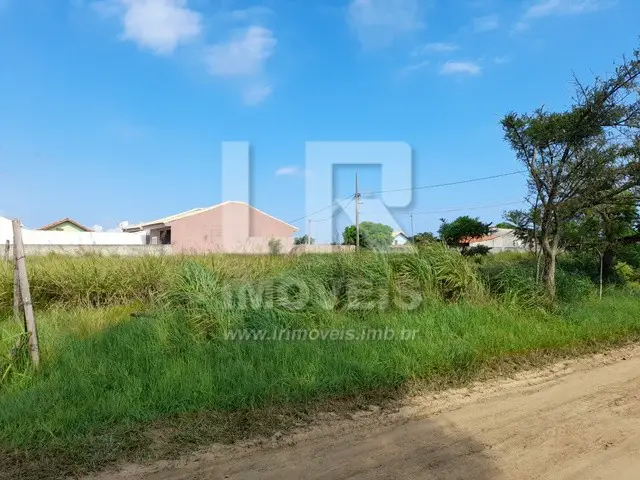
<point>65,225</point>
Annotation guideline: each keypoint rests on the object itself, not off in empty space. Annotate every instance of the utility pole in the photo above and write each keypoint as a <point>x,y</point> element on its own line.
<point>413,233</point>
<point>357,216</point>
<point>308,232</point>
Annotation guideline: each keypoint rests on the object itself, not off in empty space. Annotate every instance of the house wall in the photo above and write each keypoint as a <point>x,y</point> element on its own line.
<point>230,228</point>
<point>399,240</point>
<point>505,241</point>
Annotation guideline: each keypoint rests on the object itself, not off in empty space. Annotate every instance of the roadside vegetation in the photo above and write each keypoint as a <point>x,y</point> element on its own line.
<point>135,345</point>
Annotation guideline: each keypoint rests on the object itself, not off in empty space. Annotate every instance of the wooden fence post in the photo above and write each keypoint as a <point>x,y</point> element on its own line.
<point>25,294</point>
<point>17,296</point>
<point>7,247</point>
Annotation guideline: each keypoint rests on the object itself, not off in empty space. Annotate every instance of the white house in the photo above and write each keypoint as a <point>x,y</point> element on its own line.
<point>500,240</point>
<point>399,238</point>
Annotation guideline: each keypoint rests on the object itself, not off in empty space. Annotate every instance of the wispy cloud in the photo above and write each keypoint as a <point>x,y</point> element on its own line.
<point>244,54</point>
<point>460,68</point>
<point>501,60</point>
<point>255,94</point>
<point>486,23</point>
<point>378,22</point>
<point>251,14</point>
<point>545,8</point>
<point>290,171</point>
<point>157,25</point>
<point>548,8</point>
<point>437,47</point>
<point>414,67</point>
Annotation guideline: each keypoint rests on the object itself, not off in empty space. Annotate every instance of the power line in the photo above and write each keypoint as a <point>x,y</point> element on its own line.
<point>322,209</point>
<point>334,215</point>
<point>449,184</point>
<point>465,207</point>
<point>424,187</point>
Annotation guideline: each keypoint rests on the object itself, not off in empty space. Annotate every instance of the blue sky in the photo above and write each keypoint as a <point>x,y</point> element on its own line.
<point>115,110</point>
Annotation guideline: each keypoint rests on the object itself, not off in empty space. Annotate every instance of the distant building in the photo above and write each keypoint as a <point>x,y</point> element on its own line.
<point>399,239</point>
<point>65,225</point>
<point>231,227</point>
<point>500,240</point>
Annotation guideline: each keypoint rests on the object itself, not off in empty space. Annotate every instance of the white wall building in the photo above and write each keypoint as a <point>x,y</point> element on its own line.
<point>43,237</point>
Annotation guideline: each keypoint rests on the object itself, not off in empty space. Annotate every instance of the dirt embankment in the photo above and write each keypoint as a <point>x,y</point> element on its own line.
<point>576,420</point>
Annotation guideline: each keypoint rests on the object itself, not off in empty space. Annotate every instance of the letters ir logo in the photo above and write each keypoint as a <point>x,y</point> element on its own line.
<point>395,160</point>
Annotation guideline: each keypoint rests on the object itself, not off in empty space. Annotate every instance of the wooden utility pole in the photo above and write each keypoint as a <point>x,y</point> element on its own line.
<point>25,293</point>
<point>413,233</point>
<point>308,232</point>
<point>357,216</point>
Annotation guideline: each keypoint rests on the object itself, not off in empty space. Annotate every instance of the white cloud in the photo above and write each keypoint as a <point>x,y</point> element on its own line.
<point>486,23</point>
<point>501,60</point>
<point>545,8</point>
<point>251,14</point>
<point>289,171</point>
<point>243,55</point>
<point>414,67</point>
<point>379,22</point>
<point>465,68</point>
<point>437,47</point>
<point>118,229</point>
<point>255,94</point>
<point>157,25</point>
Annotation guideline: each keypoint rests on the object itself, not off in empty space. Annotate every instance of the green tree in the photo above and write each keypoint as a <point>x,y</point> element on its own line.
<point>580,158</point>
<point>506,225</point>
<point>424,238</point>
<point>458,232</point>
<point>373,236</point>
<point>303,240</point>
<point>604,230</point>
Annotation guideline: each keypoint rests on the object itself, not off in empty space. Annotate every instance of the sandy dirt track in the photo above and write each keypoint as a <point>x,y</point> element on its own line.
<point>578,419</point>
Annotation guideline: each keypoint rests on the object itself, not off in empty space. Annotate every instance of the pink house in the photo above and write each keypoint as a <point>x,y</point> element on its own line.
<point>230,227</point>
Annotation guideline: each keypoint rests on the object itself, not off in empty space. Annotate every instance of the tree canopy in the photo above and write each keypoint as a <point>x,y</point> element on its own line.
<point>580,158</point>
<point>303,240</point>
<point>458,232</point>
<point>372,235</point>
<point>423,238</point>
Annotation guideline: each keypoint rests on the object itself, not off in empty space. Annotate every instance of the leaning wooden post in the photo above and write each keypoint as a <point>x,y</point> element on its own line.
<point>25,293</point>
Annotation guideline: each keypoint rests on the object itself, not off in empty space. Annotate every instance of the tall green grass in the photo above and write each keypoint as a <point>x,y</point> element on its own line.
<point>106,371</point>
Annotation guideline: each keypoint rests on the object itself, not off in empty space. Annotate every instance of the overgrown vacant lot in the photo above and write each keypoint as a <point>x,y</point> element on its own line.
<point>114,386</point>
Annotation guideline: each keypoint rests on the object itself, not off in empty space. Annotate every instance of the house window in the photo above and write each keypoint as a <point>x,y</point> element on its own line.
<point>165,237</point>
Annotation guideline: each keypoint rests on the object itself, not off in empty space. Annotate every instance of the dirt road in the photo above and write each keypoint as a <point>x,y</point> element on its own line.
<point>576,420</point>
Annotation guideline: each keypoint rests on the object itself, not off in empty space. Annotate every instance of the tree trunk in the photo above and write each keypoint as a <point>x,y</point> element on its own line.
<point>549,254</point>
<point>607,264</point>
